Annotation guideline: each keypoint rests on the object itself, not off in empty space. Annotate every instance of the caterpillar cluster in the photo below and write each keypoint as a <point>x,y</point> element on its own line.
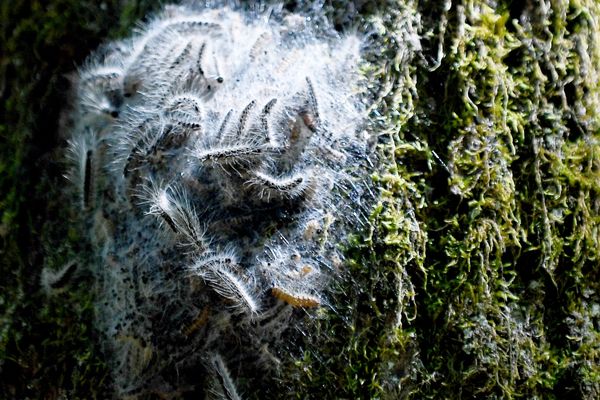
<point>217,157</point>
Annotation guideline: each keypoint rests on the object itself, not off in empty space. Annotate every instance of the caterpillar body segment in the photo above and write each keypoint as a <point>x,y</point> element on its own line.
<point>214,260</point>
<point>200,321</point>
<point>311,116</point>
<point>184,109</point>
<point>296,299</point>
<point>199,59</point>
<point>182,56</point>
<point>264,118</point>
<point>225,387</point>
<point>291,186</point>
<point>224,123</point>
<point>230,154</point>
<point>84,156</point>
<point>237,291</point>
<point>244,118</point>
<point>107,77</point>
<point>172,206</point>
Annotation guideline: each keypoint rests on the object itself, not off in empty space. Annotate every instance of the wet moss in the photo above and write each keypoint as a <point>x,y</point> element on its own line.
<point>488,210</point>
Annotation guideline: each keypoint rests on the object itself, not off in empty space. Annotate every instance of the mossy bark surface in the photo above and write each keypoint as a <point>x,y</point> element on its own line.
<point>479,274</point>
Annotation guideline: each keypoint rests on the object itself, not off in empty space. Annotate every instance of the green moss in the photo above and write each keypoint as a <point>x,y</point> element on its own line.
<point>479,276</point>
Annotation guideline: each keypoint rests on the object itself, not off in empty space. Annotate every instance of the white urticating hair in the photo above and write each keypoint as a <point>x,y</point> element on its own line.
<point>227,151</point>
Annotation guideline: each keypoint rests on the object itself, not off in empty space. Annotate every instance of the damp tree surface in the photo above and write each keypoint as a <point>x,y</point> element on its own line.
<point>474,272</point>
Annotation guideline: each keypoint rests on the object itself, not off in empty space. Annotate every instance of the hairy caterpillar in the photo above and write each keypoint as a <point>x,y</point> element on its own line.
<point>208,145</point>
<point>226,387</point>
<point>296,299</point>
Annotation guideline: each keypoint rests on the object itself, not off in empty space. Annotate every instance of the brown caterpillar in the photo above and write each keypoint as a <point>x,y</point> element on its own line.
<point>197,323</point>
<point>296,299</point>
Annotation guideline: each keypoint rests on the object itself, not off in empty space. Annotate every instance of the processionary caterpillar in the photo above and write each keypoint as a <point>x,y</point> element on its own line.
<point>296,299</point>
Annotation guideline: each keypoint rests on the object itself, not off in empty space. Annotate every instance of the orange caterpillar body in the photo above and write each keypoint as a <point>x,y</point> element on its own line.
<point>296,300</point>
<point>197,323</point>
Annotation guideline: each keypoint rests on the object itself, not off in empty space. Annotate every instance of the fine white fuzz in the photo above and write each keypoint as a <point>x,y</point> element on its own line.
<point>99,90</point>
<point>184,109</point>
<point>275,187</point>
<point>219,272</point>
<point>171,205</point>
<point>55,281</point>
<point>230,154</point>
<point>225,387</point>
<point>107,77</point>
<point>206,151</point>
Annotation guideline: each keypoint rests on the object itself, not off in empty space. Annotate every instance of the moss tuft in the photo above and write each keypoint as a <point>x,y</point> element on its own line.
<point>479,275</point>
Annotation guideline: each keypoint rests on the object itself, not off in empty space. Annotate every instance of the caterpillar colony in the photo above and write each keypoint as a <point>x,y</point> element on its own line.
<point>218,159</point>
